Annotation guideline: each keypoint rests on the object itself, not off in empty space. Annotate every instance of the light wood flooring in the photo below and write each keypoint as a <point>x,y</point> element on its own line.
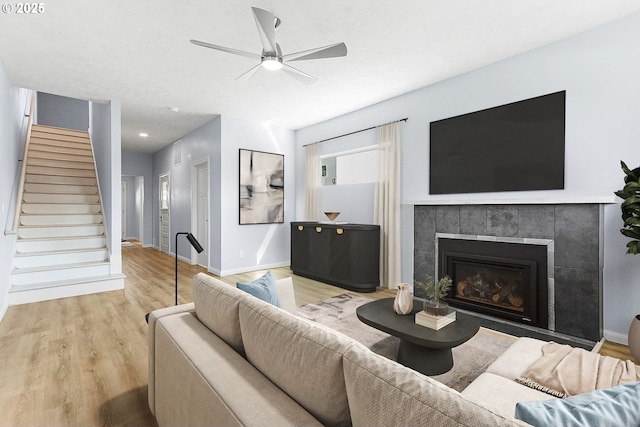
<point>82,361</point>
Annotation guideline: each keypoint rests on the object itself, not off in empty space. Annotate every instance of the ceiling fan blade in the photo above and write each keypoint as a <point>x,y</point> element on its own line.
<point>266,23</point>
<point>299,75</point>
<point>226,49</point>
<point>247,75</point>
<point>331,51</point>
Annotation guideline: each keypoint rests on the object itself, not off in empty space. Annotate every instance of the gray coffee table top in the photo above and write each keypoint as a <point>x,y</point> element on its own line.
<point>380,315</point>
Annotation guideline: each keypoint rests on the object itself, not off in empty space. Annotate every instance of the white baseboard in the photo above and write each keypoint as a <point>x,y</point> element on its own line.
<point>112,283</point>
<point>148,246</point>
<point>250,268</point>
<point>5,306</point>
<point>616,337</point>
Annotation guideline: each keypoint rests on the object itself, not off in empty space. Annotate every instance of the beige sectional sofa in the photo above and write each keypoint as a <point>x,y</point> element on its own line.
<point>230,359</point>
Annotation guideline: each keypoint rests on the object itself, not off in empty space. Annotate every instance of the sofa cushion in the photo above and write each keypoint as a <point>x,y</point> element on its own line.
<point>500,394</point>
<point>612,407</point>
<point>286,295</point>
<point>384,393</point>
<point>517,358</point>
<point>263,288</point>
<point>303,360</point>
<point>203,381</point>
<point>217,308</point>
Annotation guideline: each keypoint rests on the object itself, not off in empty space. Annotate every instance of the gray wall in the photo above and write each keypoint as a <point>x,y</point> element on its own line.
<point>14,102</point>
<point>599,69</point>
<point>60,111</point>
<point>132,230</point>
<point>141,165</point>
<point>233,248</point>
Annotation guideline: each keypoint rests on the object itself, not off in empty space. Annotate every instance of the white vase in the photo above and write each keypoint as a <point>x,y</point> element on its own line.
<point>403,304</point>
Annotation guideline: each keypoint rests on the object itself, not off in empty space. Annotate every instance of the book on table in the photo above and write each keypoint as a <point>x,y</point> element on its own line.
<point>435,322</point>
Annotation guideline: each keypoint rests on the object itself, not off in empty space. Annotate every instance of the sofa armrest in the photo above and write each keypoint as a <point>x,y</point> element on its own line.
<point>153,317</point>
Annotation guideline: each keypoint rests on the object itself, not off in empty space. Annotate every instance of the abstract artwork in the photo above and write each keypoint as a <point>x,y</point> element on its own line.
<point>261,187</point>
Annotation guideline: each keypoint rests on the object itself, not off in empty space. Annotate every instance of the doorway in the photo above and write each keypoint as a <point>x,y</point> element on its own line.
<point>200,209</point>
<point>123,214</point>
<point>165,209</point>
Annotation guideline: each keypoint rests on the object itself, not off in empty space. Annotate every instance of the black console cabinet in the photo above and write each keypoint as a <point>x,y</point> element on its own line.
<point>345,255</point>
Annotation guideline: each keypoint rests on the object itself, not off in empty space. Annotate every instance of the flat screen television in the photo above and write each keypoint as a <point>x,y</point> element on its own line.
<point>512,147</point>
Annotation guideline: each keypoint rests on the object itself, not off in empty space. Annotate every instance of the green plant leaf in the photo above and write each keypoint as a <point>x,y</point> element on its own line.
<point>633,247</point>
<point>632,173</point>
<point>633,200</point>
<point>634,234</point>
<point>632,221</point>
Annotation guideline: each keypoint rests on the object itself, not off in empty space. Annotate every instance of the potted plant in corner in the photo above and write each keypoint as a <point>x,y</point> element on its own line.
<point>631,228</point>
<point>435,292</point>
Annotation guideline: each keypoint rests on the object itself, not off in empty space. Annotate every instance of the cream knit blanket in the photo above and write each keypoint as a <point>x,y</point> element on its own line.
<point>564,371</point>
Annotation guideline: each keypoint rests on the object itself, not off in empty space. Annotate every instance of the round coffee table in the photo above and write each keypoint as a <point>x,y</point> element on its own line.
<point>423,349</point>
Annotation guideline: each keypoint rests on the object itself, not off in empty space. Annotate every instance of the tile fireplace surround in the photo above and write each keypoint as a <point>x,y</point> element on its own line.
<point>573,232</point>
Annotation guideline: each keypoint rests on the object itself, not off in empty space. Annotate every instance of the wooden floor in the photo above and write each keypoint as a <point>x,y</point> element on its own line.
<point>82,361</point>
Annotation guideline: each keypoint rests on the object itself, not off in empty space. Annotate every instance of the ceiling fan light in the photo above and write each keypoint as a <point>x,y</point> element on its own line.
<point>271,63</point>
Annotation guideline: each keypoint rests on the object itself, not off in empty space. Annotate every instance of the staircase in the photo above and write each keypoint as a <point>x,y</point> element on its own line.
<point>61,239</point>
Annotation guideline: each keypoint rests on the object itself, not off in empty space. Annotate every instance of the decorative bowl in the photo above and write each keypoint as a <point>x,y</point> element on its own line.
<point>332,215</point>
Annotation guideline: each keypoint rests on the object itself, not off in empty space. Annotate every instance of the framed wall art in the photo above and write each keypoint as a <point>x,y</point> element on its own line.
<point>261,187</point>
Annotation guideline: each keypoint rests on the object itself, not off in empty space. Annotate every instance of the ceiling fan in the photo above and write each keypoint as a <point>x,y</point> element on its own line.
<point>272,57</point>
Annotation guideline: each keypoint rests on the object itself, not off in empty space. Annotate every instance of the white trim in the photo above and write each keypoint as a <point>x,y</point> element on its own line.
<point>109,283</point>
<point>194,203</point>
<point>516,201</point>
<point>248,269</point>
<point>168,175</point>
<point>616,337</point>
<point>123,209</point>
<point>347,152</point>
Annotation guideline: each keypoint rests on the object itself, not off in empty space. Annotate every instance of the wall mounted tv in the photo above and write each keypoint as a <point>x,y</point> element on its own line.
<point>513,147</point>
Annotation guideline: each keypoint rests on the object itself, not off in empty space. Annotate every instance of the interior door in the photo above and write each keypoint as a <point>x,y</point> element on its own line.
<point>203,213</point>
<point>123,195</point>
<point>165,208</point>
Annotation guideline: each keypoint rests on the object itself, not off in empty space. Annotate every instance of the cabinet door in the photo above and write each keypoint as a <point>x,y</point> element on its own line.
<point>300,247</point>
<point>319,250</point>
<point>364,265</point>
<point>341,255</point>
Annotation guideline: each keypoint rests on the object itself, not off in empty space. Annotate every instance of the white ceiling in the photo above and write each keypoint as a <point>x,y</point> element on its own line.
<point>138,52</point>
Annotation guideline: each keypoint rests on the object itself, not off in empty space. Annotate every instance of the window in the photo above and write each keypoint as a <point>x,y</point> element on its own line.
<point>353,167</point>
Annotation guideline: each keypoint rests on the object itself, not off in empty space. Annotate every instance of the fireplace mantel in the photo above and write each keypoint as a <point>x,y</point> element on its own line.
<point>598,200</point>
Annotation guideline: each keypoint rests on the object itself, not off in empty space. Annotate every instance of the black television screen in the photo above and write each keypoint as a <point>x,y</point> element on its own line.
<point>513,147</point>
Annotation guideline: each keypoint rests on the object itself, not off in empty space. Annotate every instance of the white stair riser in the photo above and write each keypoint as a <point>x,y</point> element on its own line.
<point>31,246</point>
<point>61,188</point>
<point>59,163</point>
<point>45,232</point>
<point>30,278</point>
<point>59,198</point>
<point>60,219</point>
<point>56,179</point>
<point>66,208</point>
<point>44,260</point>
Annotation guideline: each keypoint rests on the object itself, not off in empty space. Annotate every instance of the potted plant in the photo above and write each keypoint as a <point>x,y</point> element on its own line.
<point>631,228</point>
<point>435,293</point>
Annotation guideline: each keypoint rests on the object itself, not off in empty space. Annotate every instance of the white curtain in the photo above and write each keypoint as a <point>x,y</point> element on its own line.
<point>313,196</point>
<point>387,204</point>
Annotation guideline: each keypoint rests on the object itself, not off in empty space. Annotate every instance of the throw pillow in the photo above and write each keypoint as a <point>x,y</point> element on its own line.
<point>264,288</point>
<point>611,407</point>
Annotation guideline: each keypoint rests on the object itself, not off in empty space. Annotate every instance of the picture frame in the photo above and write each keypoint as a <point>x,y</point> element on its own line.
<point>261,178</point>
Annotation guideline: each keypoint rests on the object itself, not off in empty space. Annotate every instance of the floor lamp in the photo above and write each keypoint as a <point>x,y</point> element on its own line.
<point>196,246</point>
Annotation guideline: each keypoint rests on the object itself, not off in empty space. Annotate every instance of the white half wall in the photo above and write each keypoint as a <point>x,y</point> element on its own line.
<point>14,102</point>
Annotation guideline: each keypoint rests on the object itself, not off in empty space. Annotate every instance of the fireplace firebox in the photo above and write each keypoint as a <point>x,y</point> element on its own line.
<point>504,280</point>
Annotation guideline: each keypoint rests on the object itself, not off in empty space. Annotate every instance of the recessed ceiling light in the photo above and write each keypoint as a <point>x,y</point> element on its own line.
<point>174,109</point>
<point>144,135</point>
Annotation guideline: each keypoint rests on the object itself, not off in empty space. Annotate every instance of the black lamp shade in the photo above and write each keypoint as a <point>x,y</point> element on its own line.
<point>196,245</point>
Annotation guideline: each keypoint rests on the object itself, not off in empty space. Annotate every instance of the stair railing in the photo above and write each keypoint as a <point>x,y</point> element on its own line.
<point>23,173</point>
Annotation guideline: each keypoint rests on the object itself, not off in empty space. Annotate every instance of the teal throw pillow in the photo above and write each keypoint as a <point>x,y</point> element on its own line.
<point>264,288</point>
<point>611,407</point>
